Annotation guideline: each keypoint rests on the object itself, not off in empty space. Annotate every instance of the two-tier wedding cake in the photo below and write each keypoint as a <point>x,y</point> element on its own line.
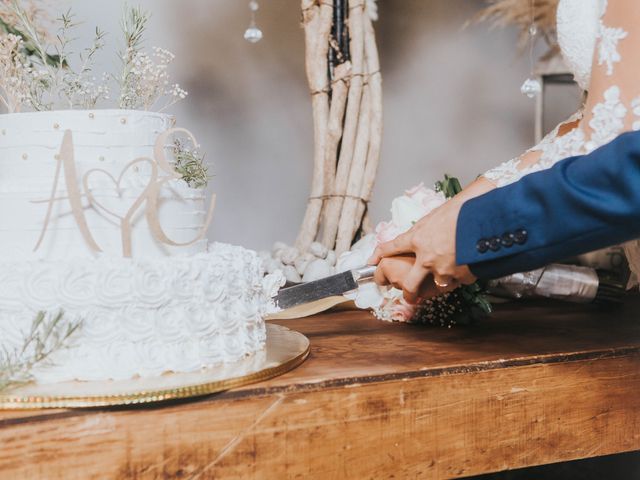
<point>96,223</point>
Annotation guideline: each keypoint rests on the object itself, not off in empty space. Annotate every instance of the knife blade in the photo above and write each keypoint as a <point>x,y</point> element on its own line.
<point>326,287</point>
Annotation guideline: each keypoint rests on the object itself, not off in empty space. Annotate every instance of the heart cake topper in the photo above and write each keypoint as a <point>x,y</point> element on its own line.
<point>161,173</point>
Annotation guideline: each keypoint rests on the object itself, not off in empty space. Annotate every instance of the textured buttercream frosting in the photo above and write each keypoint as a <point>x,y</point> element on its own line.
<point>167,308</point>
<point>141,317</point>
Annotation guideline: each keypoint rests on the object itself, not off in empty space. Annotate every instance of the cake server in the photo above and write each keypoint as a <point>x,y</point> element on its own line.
<point>336,285</point>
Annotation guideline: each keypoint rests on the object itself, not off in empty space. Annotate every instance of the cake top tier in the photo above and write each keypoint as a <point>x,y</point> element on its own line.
<point>90,182</point>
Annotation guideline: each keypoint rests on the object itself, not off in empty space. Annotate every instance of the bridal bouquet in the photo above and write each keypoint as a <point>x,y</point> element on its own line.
<point>462,306</point>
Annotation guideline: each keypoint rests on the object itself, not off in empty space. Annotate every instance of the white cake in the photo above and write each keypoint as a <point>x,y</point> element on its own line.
<point>166,307</point>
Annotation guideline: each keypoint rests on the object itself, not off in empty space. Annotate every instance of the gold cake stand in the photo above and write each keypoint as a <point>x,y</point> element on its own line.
<point>285,350</point>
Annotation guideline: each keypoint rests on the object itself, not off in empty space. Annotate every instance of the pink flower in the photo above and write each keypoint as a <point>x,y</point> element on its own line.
<point>402,312</point>
<point>433,200</point>
<point>417,190</point>
<point>386,231</point>
<point>427,198</point>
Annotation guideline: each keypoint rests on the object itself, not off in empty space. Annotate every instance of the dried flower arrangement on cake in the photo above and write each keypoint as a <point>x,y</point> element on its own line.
<point>39,71</point>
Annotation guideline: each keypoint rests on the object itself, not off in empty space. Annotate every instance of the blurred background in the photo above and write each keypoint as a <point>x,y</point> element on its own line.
<point>452,101</point>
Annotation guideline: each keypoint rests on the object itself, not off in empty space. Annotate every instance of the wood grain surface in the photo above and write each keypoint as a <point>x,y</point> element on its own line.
<point>537,383</point>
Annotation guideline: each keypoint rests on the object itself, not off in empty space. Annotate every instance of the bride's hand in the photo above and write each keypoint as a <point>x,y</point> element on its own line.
<point>432,241</point>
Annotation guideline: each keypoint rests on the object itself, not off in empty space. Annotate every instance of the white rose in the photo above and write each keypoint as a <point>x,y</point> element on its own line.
<point>405,212</point>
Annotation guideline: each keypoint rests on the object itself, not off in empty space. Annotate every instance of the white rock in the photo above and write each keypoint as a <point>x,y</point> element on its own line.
<point>316,270</point>
<point>358,256</point>
<point>291,274</point>
<point>278,247</point>
<point>264,255</point>
<point>302,262</point>
<point>319,250</point>
<point>289,255</point>
<point>331,258</point>
<point>273,265</point>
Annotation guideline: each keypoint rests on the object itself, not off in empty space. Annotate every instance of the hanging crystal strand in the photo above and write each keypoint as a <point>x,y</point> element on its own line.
<point>253,34</point>
<point>531,86</point>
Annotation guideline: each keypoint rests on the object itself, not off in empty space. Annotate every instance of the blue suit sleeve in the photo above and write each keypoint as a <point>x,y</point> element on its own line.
<point>579,205</point>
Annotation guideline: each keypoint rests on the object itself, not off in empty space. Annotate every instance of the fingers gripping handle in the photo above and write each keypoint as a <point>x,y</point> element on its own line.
<point>363,274</point>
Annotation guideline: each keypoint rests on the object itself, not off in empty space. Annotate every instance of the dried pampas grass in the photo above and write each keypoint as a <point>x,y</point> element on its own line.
<point>502,13</point>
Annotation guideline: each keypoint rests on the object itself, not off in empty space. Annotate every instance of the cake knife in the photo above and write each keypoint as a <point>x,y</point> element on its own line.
<point>336,285</point>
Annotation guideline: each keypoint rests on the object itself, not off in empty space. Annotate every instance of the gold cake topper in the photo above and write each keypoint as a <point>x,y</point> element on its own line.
<point>162,172</point>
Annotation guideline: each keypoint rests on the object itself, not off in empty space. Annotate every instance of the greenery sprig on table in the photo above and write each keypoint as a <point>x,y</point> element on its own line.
<point>48,335</point>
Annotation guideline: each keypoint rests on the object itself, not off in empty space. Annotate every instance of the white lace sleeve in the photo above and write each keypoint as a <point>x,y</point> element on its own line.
<point>512,171</point>
<point>613,104</point>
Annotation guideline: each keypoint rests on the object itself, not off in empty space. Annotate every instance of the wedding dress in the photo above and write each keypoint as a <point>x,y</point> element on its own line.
<point>591,34</point>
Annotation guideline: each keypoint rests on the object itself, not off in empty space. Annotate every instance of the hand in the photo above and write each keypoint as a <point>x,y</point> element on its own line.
<point>393,271</point>
<point>432,240</point>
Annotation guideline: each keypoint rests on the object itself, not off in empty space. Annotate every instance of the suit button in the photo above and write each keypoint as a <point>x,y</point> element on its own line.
<point>482,246</point>
<point>520,236</point>
<point>494,244</point>
<point>507,240</point>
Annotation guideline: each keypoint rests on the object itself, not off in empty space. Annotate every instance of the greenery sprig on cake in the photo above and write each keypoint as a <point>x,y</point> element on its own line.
<point>191,165</point>
<point>48,334</point>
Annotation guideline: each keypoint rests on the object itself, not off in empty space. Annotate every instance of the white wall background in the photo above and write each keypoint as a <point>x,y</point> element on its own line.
<point>452,101</point>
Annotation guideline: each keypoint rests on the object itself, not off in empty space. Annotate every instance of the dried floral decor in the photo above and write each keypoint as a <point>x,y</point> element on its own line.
<point>343,72</point>
<point>39,71</point>
<point>502,13</point>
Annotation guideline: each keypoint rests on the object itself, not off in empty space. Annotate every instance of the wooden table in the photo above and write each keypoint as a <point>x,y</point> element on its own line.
<point>533,385</point>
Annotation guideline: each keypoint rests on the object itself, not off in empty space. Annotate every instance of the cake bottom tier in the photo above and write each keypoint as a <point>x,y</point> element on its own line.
<point>140,317</point>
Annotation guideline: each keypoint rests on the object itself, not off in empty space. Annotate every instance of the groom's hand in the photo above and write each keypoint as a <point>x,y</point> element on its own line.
<point>432,240</point>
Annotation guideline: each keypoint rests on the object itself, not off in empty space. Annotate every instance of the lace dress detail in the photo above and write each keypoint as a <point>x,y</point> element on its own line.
<point>511,171</point>
<point>608,45</point>
<point>607,123</point>
<point>635,106</point>
<point>608,120</point>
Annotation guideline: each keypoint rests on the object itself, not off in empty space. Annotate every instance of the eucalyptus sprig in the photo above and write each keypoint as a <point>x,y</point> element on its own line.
<point>191,165</point>
<point>48,335</point>
<point>81,88</point>
<point>134,26</point>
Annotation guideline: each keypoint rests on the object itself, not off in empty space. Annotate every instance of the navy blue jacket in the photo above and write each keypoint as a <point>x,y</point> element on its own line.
<point>579,205</point>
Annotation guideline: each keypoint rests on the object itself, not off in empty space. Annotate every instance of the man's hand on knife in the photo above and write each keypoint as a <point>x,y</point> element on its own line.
<point>422,261</point>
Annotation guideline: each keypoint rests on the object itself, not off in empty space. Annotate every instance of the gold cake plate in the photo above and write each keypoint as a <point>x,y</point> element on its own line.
<point>285,350</point>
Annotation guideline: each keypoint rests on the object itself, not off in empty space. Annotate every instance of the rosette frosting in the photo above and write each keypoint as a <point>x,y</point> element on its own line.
<point>142,317</point>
